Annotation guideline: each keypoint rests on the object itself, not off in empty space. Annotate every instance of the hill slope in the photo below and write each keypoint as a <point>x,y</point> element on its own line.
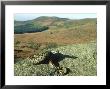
<point>43,23</point>
<point>76,38</point>
<point>82,64</point>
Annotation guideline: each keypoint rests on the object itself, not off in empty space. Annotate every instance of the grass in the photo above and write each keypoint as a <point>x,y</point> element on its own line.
<point>51,45</point>
<point>71,38</point>
<point>33,45</point>
<point>83,64</point>
<point>72,35</point>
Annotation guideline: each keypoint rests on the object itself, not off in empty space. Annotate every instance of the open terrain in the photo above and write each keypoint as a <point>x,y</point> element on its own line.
<point>83,62</point>
<point>76,38</point>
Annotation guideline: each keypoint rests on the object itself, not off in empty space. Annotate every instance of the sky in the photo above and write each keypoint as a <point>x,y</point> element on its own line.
<point>30,16</point>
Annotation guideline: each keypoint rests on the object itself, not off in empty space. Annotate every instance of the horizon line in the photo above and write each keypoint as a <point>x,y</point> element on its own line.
<point>57,17</point>
<point>31,16</point>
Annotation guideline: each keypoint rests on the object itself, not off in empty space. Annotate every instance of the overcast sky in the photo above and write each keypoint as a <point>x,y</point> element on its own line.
<point>29,16</point>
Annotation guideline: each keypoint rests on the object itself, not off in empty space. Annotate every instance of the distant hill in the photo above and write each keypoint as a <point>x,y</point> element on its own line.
<point>50,23</point>
<point>29,28</point>
<point>46,32</point>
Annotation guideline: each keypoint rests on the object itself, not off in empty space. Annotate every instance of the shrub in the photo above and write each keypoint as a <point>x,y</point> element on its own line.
<point>51,45</point>
<point>33,45</point>
<point>16,43</point>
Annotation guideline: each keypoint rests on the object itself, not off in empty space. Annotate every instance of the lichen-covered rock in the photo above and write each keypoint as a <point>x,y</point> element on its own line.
<point>43,55</point>
<point>60,71</point>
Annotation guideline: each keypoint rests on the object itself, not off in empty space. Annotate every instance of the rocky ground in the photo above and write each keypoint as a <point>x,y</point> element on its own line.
<point>73,60</point>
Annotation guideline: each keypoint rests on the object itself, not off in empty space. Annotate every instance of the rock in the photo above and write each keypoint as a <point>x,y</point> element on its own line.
<point>60,71</point>
<point>39,57</point>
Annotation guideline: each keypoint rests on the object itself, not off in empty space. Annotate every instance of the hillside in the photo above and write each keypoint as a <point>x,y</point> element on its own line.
<point>83,62</point>
<point>74,39</point>
<point>49,23</point>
